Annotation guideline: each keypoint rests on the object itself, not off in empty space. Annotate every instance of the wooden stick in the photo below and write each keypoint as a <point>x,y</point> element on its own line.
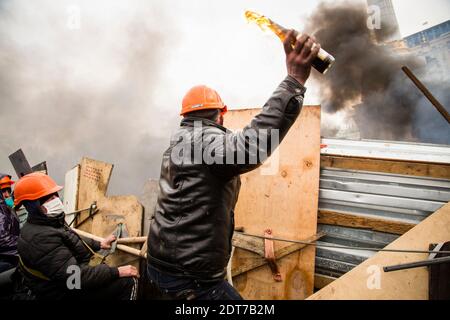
<point>427,93</point>
<point>132,240</point>
<point>121,247</point>
<point>88,235</point>
<point>133,251</point>
<point>143,251</point>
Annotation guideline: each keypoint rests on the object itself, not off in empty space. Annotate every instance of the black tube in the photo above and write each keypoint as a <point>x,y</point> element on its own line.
<point>417,264</point>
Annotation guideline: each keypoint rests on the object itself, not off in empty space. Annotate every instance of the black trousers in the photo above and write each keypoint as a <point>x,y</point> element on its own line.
<point>8,262</point>
<point>181,288</point>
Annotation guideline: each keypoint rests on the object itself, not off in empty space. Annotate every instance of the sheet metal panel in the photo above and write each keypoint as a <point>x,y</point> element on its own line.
<point>374,194</point>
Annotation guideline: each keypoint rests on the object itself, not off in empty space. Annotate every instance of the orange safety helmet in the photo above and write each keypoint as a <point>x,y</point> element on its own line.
<point>5,181</point>
<point>201,98</point>
<point>34,186</point>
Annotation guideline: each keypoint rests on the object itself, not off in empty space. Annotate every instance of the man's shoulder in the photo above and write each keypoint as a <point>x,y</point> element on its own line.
<point>212,130</point>
<point>35,232</point>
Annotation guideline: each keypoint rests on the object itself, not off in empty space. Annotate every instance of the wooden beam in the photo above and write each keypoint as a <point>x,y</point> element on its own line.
<point>258,261</point>
<point>249,243</point>
<point>420,169</point>
<point>439,107</point>
<point>353,221</point>
<point>321,281</point>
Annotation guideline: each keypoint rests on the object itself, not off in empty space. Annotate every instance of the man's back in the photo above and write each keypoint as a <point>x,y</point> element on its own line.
<point>194,220</point>
<point>189,240</point>
<point>199,185</point>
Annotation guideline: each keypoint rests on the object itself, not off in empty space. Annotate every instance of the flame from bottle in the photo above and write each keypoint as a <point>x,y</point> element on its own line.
<point>265,23</point>
<point>323,61</point>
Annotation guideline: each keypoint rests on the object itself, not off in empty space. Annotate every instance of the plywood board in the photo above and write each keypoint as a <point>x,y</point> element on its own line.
<point>368,281</point>
<point>285,201</point>
<point>20,163</point>
<point>148,199</point>
<point>93,186</point>
<point>71,182</point>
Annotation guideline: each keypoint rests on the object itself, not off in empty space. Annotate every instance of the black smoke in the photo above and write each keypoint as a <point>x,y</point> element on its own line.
<point>90,91</point>
<point>367,77</point>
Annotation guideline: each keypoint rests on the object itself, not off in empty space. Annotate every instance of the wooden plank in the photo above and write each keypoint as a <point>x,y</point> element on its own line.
<point>247,261</point>
<point>321,281</point>
<point>71,182</point>
<point>388,166</point>
<point>40,167</point>
<point>285,201</point>
<point>368,281</point>
<point>252,244</point>
<point>93,185</point>
<point>371,223</point>
<point>148,199</point>
<point>20,163</point>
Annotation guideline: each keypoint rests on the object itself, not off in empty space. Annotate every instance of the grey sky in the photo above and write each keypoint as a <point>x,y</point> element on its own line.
<point>194,42</point>
<point>411,15</point>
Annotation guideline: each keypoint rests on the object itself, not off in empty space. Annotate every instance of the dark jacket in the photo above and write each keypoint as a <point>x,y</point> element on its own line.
<point>9,231</point>
<point>50,247</point>
<point>193,225</point>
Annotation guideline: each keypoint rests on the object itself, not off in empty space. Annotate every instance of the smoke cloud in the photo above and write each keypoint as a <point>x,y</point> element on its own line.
<point>367,80</point>
<point>83,81</point>
<point>96,78</point>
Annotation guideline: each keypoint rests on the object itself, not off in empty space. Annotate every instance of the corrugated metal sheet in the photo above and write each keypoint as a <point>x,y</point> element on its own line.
<point>387,150</point>
<point>371,194</point>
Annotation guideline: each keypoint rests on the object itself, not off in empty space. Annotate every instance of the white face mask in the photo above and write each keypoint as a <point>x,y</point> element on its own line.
<point>54,207</point>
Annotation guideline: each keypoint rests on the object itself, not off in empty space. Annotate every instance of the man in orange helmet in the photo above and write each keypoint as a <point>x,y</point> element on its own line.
<point>5,189</point>
<point>9,226</point>
<point>189,242</point>
<point>50,252</point>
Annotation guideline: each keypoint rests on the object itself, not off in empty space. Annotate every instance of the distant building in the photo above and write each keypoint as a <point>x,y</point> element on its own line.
<point>428,35</point>
<point>433,45</point>
<point>389,23</point>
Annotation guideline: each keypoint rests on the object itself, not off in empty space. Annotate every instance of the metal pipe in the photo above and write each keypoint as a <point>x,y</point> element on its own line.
<point>427,94</point>
<point>93,206</point>
<point>417,264</point>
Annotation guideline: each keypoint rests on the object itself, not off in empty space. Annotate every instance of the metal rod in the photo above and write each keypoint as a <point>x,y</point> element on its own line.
<point>78,211</point>
<point>427,93</point>
<point>417,264</point>
<point>313,243</point>
<point>92,206</point>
